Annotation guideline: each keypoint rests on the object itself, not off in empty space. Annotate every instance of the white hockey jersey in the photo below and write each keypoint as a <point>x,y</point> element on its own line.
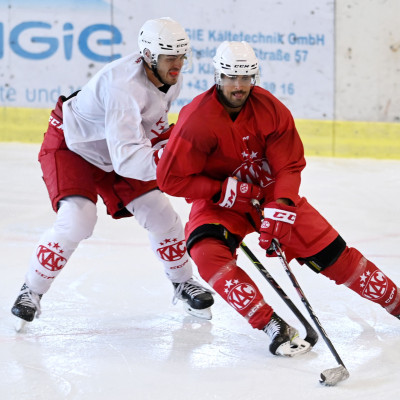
<point>112,119</point>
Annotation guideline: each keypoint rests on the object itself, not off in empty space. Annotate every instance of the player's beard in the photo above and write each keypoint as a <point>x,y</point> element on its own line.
<point>235,104</point>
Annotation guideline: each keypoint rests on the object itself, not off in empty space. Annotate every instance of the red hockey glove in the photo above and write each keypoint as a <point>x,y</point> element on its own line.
<point>159,142</point>
<point>237,195</point>
<point>157,155</point>
<point>277,224</point>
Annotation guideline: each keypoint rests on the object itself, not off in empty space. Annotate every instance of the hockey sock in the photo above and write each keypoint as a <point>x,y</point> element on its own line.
<point>47,261</point>
<point>154,212</point>
<point>75,221</point>
<point>217,267</point>
<point>170,249</point>
<point>353,270</point>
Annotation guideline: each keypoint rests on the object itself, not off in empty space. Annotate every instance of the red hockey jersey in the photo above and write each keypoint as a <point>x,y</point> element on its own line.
<point>261,146</point>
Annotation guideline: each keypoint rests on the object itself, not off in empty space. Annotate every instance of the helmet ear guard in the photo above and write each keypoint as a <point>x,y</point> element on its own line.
<point>147,56</point>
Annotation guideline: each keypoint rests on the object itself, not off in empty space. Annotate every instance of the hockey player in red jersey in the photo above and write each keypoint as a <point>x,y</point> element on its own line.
<point>237,142</point>
<point>106,141</point>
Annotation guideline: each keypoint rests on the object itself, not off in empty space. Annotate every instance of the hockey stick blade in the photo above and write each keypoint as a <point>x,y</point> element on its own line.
<point>311,333</point>
<point>330,377</point>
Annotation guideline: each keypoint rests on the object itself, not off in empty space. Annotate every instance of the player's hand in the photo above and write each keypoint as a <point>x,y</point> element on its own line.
<point>277,224</point>
<point>237,195</point>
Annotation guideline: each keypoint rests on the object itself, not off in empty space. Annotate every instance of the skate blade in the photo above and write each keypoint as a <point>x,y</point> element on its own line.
<point>20,325</point>
<point>294,348</point>
<point>205,313</point>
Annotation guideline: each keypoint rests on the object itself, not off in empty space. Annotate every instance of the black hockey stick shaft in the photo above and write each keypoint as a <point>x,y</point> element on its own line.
<point>311,334</point>
<point>306,303</point>
<point>329,377</point>
<point>300,292</point>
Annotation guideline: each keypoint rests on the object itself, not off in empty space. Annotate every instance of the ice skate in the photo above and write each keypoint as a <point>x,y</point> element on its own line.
<point>197,300</point>
<point>26,306</point>
<point>285,340</point>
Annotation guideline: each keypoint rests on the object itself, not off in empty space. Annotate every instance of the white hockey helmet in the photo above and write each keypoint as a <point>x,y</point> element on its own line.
<point>235,58</point>
<point>162,36</point>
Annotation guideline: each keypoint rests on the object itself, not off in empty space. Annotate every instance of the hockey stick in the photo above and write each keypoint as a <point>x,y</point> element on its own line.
<point>328,377</point>
<point>311,334</point>
<point>332,376</point>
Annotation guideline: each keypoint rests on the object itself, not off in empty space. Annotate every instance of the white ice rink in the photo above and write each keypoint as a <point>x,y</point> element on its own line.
<point>108,329</point>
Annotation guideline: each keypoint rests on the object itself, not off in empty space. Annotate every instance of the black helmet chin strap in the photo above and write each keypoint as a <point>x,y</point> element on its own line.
<point>157,75</point>
<point>165,86</point>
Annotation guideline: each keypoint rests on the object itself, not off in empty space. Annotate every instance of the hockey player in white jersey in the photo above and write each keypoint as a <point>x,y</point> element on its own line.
<point>106,140</point>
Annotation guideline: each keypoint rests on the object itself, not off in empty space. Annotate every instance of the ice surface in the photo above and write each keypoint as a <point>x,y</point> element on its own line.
<point>108,329</point>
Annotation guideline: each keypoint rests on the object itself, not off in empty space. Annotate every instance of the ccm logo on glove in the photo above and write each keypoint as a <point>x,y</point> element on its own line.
<point>277,224</point>
<point>279,215</point>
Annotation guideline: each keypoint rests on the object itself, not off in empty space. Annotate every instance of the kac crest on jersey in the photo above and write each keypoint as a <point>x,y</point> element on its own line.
<point>254,171</point>
<point>159,127</point>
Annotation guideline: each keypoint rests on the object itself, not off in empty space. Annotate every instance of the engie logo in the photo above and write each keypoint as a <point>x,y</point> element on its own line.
<point>25,41</point>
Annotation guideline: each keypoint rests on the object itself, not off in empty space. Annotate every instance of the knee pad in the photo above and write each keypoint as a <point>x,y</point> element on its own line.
<point>216,231</point>
<point>76,218</point>
<point>326,257</point>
